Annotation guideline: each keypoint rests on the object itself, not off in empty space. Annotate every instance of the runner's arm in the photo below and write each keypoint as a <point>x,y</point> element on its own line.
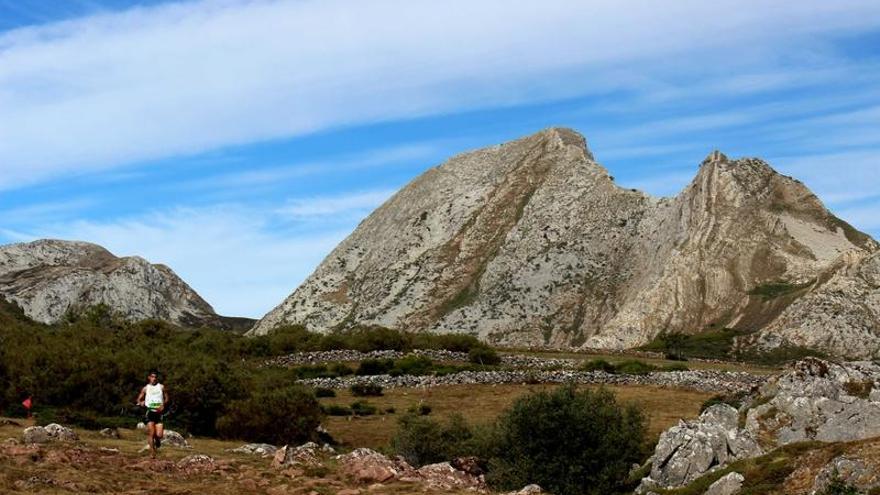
<point>140,399</point>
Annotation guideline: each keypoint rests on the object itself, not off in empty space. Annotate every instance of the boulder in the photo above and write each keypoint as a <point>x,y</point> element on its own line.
<point>813,399</point>
<point>61,433</point>
<point>109,433</point>
<point>260,449</point>
<point>443,476</point>
<point>35,434</point>
<point>729,484</point>
<point>175,439</point>
<point>368,466</point>
<point>470,465</point>
<point>527,490</point>
<point>693,448</point>
<point>141,426</point>
<point>306,455</point>
<point>196,463</point>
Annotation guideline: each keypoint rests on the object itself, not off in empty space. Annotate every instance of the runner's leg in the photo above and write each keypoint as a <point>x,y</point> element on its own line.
<point>151,434</point>
<point>160,433</point>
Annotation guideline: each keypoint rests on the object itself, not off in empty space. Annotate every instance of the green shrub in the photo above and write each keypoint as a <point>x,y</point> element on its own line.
<point>773,290</point>
<point>484,355</point>
<point>374,367</point>
<point>278,416</point>
<point>675,367</point>
<point>634,367</point>
<point>568,441</point>
<point>363,408</point>
<point>598,365</point>
<point>455,342</point>
<point>365,390</point>
<point>422,440</point>
<point>325,392</point>
<point>709,344</point>
<point>336,410</point>
<point>839,487</point>
<point>412,365</point>
<point>377,339</point>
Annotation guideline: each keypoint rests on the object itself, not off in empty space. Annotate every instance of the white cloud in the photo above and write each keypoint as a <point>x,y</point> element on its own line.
<point>184,78</point>
<point>358,203</point>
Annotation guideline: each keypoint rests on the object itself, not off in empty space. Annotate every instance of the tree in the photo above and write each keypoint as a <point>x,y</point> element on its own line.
<point>673,343</point>
<point>568,441</point>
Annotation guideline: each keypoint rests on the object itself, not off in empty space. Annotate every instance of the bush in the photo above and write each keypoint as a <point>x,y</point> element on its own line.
<point>634,367</point>
<point>484,355</point>
<point>336,410</point>
<point>412,365</point>
<point>421,440</point>
<point>567,441</point>
<point>369,367</point>
<point>366,390</point>
<point>363,408</point>
<point>325,392</point>
<point>675,367</point>
<point>598,365</point>
<point>278,416</point>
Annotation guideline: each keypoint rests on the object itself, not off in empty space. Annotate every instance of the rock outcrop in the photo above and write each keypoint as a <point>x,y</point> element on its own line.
<point>532,243</point>
<point>813,400</point>
<point>49,278</point>
<point>818,400</point>
<point>692,448</point>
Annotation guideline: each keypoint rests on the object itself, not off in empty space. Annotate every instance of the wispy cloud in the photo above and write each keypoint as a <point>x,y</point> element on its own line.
<point>340,206</point>
<point>177,79</point>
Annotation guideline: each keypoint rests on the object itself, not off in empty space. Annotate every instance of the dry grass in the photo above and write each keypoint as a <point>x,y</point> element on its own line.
<point>483,403</point>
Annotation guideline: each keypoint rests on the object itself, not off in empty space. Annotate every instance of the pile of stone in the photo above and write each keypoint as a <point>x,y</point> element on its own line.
<point>347,355</point>
<point>813,399</point>
<point>701,380</point>
<point>259,449</point>
<point>48,433</point>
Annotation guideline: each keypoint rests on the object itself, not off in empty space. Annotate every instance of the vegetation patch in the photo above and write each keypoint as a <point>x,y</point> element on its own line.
<point>366,390</point>
<point>567,440</point>
<point>861,389</point>
<point>629,367</point>
<point>772,290</point>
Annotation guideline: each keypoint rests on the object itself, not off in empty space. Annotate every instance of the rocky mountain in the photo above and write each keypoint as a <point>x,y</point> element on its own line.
<point>48,278</point>
<point>532,243</point>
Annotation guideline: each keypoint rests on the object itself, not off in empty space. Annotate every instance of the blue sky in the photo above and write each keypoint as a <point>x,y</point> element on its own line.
<point>239,141</point>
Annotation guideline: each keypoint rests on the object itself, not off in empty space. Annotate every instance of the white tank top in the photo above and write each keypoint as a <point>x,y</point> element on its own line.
<point>154,396</point>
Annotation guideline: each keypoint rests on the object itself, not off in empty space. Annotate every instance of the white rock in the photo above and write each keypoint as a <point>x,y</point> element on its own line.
<point>729,484</point>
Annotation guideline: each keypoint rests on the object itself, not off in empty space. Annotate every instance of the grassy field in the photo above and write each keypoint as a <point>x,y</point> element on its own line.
<point>482,403</point>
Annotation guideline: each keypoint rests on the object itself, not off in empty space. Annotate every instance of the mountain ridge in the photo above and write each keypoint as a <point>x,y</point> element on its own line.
<point>533,243</point>
<point>48,278</point>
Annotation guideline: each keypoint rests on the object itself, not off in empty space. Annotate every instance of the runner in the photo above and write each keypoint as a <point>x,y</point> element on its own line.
<point>154,398</point>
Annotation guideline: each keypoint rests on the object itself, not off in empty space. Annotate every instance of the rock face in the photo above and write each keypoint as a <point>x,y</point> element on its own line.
<point>813,399</point>
<point>818,400</point>
<point>48,278</point>
<point>691,449</point>
<point>532,243</point>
